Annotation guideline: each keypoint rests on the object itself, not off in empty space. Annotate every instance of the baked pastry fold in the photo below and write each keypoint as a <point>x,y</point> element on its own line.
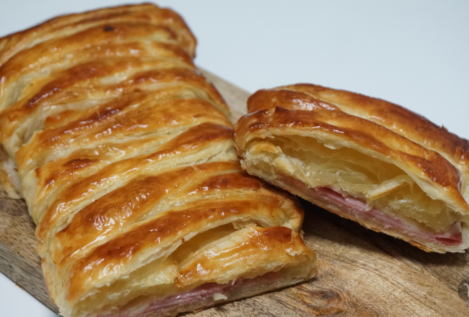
<point>125,156</point>
<point>362,158</point>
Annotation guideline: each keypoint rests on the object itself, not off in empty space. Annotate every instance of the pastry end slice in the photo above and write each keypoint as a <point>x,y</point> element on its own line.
<point>362,158</point>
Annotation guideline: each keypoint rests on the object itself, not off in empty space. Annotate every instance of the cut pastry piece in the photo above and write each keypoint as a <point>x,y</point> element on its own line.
<point>362,158</point>
<point>125,156</point>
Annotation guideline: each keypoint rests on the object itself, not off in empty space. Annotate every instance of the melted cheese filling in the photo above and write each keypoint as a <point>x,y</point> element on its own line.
<point>379,184</point>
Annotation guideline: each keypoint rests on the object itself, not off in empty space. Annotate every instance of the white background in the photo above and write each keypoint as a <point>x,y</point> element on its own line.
<point>414,53</point>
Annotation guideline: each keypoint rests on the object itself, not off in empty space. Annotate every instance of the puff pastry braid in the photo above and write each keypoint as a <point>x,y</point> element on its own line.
<point>126,159</point>
<point>362,158</point>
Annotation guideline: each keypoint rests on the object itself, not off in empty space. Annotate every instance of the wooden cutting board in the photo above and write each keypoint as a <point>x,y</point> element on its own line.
<point>361,272</point>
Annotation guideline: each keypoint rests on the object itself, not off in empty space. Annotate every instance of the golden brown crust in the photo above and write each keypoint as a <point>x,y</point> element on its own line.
<point>433,157</point>
<point>393,117</point>
<point>263,245</point>
<point>191,141</point>
<point>171,226</point>
<point>285,109</point>
<point>69,24</point>
<point>126,159</point>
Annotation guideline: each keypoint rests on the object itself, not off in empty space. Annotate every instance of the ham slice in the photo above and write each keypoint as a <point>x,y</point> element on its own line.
<point>207,291</point>
<point>354,208</point>
<point>359,209</point>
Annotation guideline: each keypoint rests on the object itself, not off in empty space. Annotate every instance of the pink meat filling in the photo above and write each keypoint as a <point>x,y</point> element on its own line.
<point>357,209</point>
<point>203,292</point>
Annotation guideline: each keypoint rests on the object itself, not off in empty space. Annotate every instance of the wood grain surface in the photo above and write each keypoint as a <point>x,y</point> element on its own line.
<point>361,272</point>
